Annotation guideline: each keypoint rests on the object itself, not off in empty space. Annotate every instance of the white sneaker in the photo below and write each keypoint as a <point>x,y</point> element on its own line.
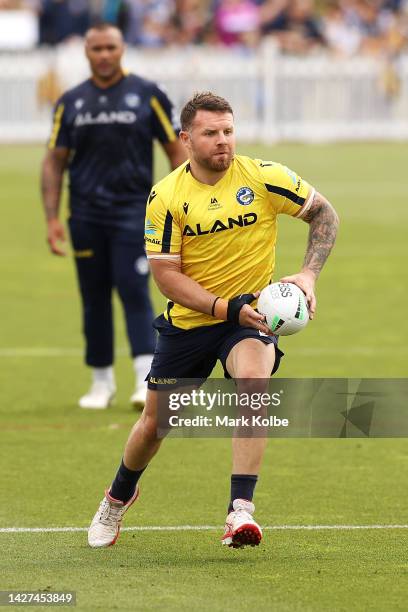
<point>138,399</point>
<point>105,526</point>
<point>240,527</point>
<point>99,396</point>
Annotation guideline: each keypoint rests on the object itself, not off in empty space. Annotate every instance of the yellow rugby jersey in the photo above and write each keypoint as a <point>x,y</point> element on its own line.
<point>225,233</point>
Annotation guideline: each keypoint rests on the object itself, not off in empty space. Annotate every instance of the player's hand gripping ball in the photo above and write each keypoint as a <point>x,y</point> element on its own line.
<point>285,308</point>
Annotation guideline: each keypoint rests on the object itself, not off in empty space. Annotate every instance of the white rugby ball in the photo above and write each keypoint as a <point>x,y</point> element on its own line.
<point>285,308</point>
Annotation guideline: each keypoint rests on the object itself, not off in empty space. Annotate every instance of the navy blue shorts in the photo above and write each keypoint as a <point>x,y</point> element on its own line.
<point>193,353</point>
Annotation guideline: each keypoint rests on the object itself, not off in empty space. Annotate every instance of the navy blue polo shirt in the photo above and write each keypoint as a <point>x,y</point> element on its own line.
<point>110,134</point>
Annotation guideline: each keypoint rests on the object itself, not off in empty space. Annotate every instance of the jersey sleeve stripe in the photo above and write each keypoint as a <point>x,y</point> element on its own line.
<point>285,193</point>
<point>168,225</point>
<point>306,207</point>
<point>56,126</point>
<point>161,256</point>
<point>164,120</point>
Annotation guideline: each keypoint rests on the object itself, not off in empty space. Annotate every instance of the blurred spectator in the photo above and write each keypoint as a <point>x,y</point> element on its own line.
<point>191,21</point>
<point>296,27</point>
<point>109,11</point>
<point>10,5</point>
<point>345,27</point>
<point>342,37</point>
<point>16,5</point>
<point>19,24</point>
<point>368,17</point>
<point>273,14</point>
<point>363,26</point>
<point>237,22</point>
<point>156,23</point>
<point>61,19</point>
<point>397,34</point>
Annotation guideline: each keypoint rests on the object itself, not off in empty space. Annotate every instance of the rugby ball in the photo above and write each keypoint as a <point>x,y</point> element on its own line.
<point>285,308</point>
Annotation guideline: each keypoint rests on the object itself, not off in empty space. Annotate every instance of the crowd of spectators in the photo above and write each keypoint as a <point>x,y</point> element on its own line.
<point>346,27</point>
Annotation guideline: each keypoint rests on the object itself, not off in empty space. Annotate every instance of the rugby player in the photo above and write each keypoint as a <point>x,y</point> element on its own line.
<point>210,237</point>
<point>103,132</point>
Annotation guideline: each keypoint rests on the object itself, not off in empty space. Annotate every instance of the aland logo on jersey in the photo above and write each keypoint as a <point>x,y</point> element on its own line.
<point>221,225</point>
<point>105,118</point>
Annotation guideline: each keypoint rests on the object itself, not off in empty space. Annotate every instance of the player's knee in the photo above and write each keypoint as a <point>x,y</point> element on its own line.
<point>148,419</point>
<point>252,370</point>
<point>250,373</point>
<point>148,423</point>
<point>252,384</point>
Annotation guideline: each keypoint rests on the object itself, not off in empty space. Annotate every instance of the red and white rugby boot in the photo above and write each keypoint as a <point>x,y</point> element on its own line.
<point>240,527</point>
<point>105,526</point>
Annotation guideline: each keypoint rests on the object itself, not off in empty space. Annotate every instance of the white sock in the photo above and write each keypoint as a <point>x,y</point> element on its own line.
<point>141,365</point>
<point>104,375</point>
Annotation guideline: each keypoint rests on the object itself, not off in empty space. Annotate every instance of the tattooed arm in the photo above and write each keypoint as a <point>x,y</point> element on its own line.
<point>323,222</point>
<point>52,172</point>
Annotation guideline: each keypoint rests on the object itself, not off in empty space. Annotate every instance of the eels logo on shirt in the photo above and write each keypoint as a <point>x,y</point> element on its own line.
<point>132,100</point>
<point>245,196</point>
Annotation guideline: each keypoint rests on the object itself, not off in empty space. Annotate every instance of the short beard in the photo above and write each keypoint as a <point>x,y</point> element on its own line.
<point>216,165</point>
<point>109,76</point>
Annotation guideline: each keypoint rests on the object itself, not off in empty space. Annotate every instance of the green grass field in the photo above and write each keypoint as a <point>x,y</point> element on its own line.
<point>56,459</point>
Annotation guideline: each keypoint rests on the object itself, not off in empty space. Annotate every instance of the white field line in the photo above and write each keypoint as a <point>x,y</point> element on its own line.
<point>201,528</point>
<point>76,352</point>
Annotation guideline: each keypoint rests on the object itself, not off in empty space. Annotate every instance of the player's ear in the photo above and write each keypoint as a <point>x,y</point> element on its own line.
<point>185,137</point>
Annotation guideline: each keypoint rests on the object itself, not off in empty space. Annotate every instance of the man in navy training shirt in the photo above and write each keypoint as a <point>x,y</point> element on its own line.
<point>103,132</point>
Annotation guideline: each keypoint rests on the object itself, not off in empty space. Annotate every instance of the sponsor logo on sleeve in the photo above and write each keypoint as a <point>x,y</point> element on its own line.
<point>152,240</point>
<point>150,228</point>
<point>292,175</point>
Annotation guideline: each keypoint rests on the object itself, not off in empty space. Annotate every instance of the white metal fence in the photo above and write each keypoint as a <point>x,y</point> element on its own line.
<point>274,97</point>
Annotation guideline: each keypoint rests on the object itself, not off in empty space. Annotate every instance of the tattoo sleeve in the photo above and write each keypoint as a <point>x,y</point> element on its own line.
<point>51,181</point>
<point>323,221</point>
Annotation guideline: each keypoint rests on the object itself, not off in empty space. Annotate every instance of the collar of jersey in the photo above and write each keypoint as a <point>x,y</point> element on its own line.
<point>222,180</point>
<point>102,89</point>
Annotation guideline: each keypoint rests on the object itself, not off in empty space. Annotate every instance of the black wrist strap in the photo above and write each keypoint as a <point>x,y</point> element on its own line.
<point>235,304</point>
<point>213,306</point>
